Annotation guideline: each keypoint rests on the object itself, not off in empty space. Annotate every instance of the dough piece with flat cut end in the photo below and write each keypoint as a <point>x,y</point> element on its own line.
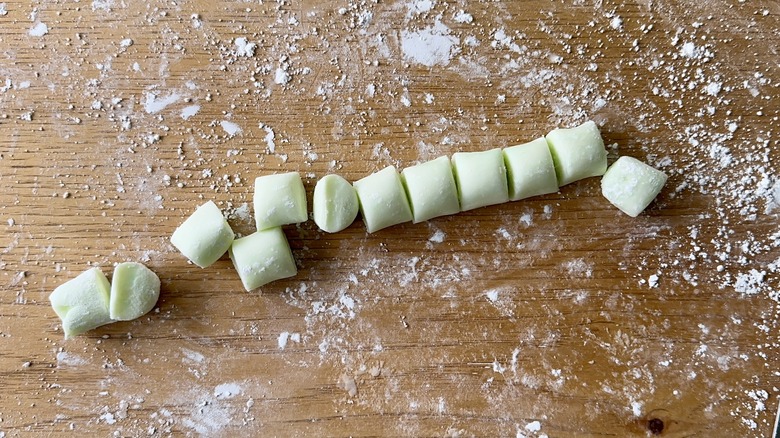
<point>134,291</point>
<point>431,189</point>
<point>578,152</point>
<point>530,170</point>
<point>335,203</point>
<point>279,199</point>
<point>262,257</point>
<point>631,185</point>
<point>204,236</point>
<point>481,178</point>
<point>82,303</point>
<point>383,200</point>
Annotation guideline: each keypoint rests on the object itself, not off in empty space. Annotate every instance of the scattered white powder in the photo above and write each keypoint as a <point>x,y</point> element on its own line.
<point>153,104</point>
<point>437,237</point>
<point>230,128</point>
<point>269,137</point>
<point>534,426</point>
<point>38,30</point>
<point>3,10</point>
<point>652,280</point>
<point>463,17</point>
<point>282,341</point>
<point>125,43</point>
<point>65,358</point>
<point>713,88</point>
<point>189,111</point>
<point>227,390</point>
<point>750,283</point>
<point>281,77</point>
<point>636,408</point>
<point>492,295</point>
<point>689,50</point>
<point>244,48</point>
<point>616,22</point>
<point>417,7</point>
<point>431,46</point>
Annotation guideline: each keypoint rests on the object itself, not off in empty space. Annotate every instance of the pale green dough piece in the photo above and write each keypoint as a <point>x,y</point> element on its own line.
<point>382,199</point>
<point>481,178</point>
<point>262,257</point>
<point>631,185</point>
<point>577,152</point>
<point>431,189</point>
<point>82,303</point>
<point>335,203</point>
<point>530,170</point>
<point>279,199</point>
<point>134,291</point>
<point>204,236</point>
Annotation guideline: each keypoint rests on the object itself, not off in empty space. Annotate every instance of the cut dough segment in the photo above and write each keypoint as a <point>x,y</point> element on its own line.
<point>82,303</point>
<point>335,203</point>
<point>134,291</point>
<point>577,152</point>
<point>481,178</point>
<point>204,236</point>
<point>431,189</point>
<point>262,257</point>
<point>530,170</point>
<point>279,199</point>
<point>382,199</point>
<point>631,185</point>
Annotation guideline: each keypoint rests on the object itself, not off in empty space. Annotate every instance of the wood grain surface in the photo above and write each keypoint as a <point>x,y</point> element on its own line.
<point>555,316</point>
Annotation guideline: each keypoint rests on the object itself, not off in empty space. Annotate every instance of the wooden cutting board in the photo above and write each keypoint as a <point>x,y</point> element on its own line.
<point>554,316</point>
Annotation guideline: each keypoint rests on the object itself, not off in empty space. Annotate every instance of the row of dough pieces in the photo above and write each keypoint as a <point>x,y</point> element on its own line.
<point>435,188</point>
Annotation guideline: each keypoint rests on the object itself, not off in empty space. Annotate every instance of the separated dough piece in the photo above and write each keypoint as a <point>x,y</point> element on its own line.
<point>577,152</point>
<point>262,257</point>
<point>134,291</point>
<point>82,303</point>
<point>382,199</point>
<point>335,203</point>
<point>431,189</point>
<point>204,236</point>
<point>530,170</point>
<point>631,185</point>
<point>279,200</point>
<point>481,178</point>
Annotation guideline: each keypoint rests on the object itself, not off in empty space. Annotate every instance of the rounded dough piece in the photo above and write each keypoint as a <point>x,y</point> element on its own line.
<point>279,199</point>
<point>262,257</point>
<point>82,303</point>
<point>481,178</point>
<point>383,200</point>
<point>631,185</point>
<point>205,236</point>
<point>431,189</point>
<point>530,170</point>
<point>134,291</point>
<point>578,152</point>
<point>335,203</point>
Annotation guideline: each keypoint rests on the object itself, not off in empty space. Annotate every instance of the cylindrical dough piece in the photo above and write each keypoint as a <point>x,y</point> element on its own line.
<point>431,189</point>
<point>335,203</point>
<point>82,303</point>
<point>279,199</point>
<point>134,291</point>
<point>530,170</point>
<point>262,257</point>
<point>481,178</point>
<point>382,199</point>
<point>631,185</point>
<point>204,236</point>
<point>577,152</point>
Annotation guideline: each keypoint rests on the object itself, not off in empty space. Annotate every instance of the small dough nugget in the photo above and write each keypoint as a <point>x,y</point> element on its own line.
<point>335,203</point>
<point>631,185</point>
<point>481,178</point>
<point>82,303</point>
<point>530,170</point>
<point>383,200</point>
<point>262,257</point>
<point>134,291</point>
<point>578,152</point>
<point>279,199</point>
<point>204,236</point>
<point>431,189</point>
